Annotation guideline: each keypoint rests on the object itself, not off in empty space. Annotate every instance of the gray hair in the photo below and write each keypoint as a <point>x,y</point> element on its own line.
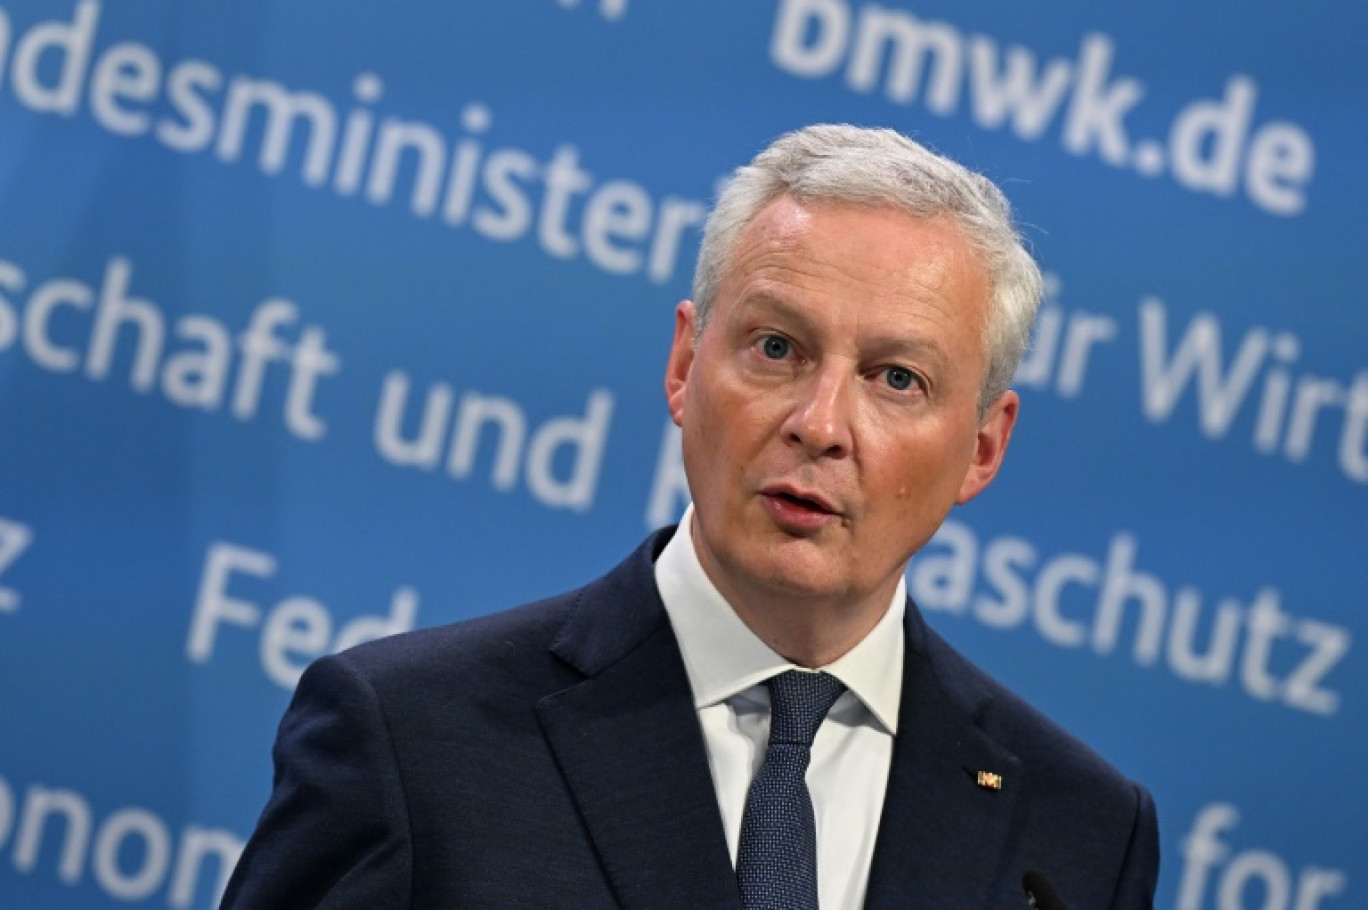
<point>843,163</point>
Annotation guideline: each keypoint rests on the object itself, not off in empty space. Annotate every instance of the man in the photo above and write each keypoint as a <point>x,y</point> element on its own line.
<point>840,380</point>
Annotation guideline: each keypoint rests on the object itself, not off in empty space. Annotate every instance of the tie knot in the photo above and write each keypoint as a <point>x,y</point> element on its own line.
<point>798,703</point>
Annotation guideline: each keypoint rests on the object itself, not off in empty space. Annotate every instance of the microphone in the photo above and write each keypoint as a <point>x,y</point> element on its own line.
<point>1040,894</point>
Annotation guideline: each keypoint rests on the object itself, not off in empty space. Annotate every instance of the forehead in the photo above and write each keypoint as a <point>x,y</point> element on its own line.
<point>859,260</point>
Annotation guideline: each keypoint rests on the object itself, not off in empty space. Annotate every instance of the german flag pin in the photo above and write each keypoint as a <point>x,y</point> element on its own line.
<point>989,780</point>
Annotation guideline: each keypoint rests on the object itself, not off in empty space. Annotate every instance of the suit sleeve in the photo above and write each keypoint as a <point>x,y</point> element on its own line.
<point>335,832</point>
<point>1140,870</point>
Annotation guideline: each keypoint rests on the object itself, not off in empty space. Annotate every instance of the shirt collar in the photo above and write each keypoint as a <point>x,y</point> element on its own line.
<point>723,657</point>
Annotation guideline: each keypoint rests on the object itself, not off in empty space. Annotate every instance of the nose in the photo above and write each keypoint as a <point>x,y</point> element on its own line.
<point>821,419</point>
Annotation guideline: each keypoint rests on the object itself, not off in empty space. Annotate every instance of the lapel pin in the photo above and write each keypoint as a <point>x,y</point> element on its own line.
<point>989,780</point>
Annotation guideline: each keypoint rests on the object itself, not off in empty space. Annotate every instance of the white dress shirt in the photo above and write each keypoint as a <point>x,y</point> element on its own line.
<point>728,665</point>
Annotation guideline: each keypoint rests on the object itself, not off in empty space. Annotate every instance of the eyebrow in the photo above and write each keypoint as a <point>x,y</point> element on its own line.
<point>882,346</point>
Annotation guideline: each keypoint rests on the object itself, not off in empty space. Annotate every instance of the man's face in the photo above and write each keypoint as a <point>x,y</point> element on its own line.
<point>829,408</point>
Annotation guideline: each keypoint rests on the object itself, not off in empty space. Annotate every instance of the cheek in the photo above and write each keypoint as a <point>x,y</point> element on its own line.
<point>734,419</point>
<point>922,472</point>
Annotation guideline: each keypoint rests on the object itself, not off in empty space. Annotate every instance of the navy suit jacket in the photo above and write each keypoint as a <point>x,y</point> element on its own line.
<point>550,756</point>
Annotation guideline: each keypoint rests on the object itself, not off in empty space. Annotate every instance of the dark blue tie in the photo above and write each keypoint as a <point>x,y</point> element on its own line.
<point>776,861</point>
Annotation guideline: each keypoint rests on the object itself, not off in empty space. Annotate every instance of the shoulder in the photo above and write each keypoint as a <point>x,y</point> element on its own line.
<point>498,653</point>
<point>1054,758</point>
<point>1090,827</point>
<point>512,657</point>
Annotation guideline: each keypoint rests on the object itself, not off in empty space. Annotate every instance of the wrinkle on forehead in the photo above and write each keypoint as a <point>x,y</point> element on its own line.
<point>935,278</point>
<point>786,226</point>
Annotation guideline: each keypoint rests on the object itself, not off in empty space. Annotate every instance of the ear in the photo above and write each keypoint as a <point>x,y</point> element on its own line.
<point>681,361</point>
<point>990,445</point>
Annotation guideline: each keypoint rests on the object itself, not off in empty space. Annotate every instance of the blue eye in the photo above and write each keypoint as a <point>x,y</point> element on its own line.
<point>899,378</point>
<point>776,347</point>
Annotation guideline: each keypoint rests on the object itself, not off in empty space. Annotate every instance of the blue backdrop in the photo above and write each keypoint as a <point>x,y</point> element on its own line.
<point>320,321</point>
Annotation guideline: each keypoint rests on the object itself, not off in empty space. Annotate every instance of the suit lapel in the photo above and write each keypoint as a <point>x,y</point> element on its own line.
<point>943,836</point>
<point>628,742</point>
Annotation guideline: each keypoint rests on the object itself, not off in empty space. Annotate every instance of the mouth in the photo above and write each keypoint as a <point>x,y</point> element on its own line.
<point>814,503</point>
<point>798,510</point>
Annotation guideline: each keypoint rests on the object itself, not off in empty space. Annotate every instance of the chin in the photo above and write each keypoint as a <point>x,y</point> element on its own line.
<point>796,576</point>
